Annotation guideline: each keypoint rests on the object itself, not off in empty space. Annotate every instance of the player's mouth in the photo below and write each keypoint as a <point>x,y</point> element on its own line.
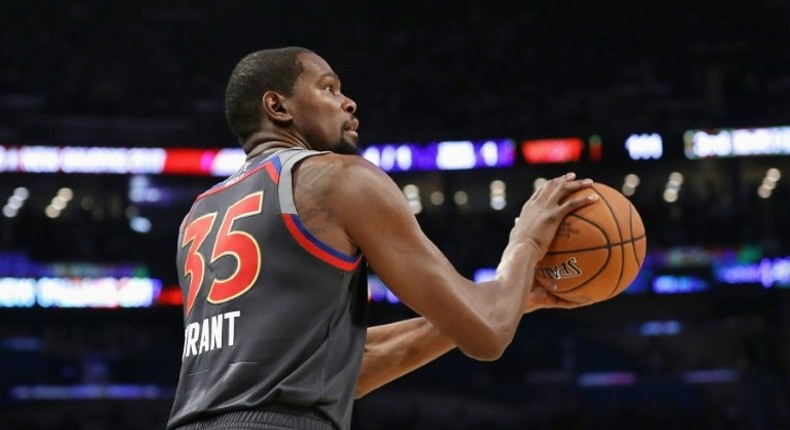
<point>351,127</point>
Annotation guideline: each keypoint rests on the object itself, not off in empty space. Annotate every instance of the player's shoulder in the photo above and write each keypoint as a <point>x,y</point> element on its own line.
<point>344,178</point>
<point>339,169</point>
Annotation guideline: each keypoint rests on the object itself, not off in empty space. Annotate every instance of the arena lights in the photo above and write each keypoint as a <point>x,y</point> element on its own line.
<point>75,292</point>
<point>550,151</point>
<point>737,142</point>
<point>15,202</point>
<point>19,265</point>
<point>447,155</point>
<point>768,272</point>
<point>711,376</point>
<point>437,198</point>
<point>498,195</point>
<point>59,202</point>
<point>766,188</point>
<point>679,284</point>
<point>629,378</point>
<point>123,161</point>
<point>660,328</point>
<point>673,186</point>
<point>378,292</point>
<point>595,144</point>
<point>461,198</point>
<point>412,193</point>
<point>484,274</point>
<point>606,379</point>
<point>630,183</point>
<point>90,391</point>
<point>645,146</point>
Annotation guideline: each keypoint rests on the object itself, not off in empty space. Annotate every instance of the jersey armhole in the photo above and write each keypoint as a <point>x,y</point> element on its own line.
<point>313,245</point>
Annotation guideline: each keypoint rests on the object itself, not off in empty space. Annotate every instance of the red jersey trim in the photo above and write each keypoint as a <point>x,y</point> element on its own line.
<point>272,166</point>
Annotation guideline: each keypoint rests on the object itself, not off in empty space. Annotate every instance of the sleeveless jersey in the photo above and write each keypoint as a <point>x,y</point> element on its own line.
<point>272,315</point>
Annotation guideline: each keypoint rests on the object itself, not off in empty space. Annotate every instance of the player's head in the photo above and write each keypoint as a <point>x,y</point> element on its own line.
<point>293,91</point>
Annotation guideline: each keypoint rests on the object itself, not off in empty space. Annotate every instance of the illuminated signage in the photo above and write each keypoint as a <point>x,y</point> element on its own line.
<point>378,292</point>
<point>122,161</point>
<point>55,292</point>
<point>484,274</point>
<point>737,142</point>
<point>90,391</point>
<point>545,151</point>
<point>768,272</point>
<point>447,155</point>
<point>49,159</point>
<point>678,284</point>
<point>644,146</point>
<point>19,265</point>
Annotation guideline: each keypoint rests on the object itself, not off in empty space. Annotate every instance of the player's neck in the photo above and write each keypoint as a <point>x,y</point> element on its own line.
<point>256,145</point>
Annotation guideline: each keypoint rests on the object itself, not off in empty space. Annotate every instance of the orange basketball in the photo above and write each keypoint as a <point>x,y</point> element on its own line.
<point>597,251</point>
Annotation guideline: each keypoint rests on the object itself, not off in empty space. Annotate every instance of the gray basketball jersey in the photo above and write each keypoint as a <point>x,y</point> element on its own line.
<point>272,315</point>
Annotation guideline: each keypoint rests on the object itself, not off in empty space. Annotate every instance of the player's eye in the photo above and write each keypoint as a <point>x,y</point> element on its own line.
<point>331,88</point>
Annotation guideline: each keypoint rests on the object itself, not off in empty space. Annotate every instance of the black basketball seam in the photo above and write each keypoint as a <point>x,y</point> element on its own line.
<point>603,233</point>
<point>608,246</point>
<point>605,263</point>
<point>631,210</point>
<point>619,234</point>
<point>603,266</point>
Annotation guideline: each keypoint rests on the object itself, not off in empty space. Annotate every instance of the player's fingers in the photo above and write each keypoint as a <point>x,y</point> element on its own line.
<point>572,204</point>
<point>560,187</point>
<point>557,183</point>
<point>573,186</point>
<point>564,189</point>
<point>548,189</point>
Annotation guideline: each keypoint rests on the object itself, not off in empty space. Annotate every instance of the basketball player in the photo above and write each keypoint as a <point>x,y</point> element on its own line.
<point>272,264</point>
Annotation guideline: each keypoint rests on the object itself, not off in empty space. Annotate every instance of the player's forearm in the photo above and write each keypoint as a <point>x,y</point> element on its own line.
<point>504,300</point>
<point>396,349</point>
<point>516,270</point>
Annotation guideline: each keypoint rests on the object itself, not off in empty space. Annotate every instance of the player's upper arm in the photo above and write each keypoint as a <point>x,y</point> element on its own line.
<point>380,222</point>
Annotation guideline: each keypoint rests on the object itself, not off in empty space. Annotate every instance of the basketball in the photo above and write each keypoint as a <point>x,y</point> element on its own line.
<point>598,249</point>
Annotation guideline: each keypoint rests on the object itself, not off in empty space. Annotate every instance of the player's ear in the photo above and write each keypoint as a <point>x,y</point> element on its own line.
<point>274,107</point>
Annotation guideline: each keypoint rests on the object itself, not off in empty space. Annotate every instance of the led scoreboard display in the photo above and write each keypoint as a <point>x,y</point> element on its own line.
<point>121,161</point>
<point>549,151</point>
<point>446,155</point>
<point>737,142</point>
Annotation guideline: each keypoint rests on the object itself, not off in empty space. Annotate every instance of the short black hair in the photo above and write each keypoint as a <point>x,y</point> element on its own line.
<point>258,72</point>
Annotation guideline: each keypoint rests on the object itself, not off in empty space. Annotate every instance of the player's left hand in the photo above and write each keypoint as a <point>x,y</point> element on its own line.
<point>540,298</point>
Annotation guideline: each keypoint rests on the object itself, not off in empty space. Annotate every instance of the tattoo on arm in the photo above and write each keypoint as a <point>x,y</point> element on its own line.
<point>309,177</point>
<point>311,192</point>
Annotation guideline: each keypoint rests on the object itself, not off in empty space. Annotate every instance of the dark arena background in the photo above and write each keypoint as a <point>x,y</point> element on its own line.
<point>111,122</point>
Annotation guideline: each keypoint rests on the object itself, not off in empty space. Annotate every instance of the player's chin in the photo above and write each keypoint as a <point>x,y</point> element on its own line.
<point>347,146</point>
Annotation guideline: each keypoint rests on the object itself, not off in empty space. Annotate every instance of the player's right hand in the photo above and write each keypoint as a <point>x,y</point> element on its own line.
<point>546,208</point>
<point>540,298</point>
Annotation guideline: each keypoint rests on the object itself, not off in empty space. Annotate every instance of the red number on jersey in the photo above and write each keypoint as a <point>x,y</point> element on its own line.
<point>239,245</point>
<point>195,265</point>
<point>234,243</point>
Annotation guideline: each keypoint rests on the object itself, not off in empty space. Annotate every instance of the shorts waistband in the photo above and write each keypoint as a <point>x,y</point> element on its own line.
<point>272,417</point>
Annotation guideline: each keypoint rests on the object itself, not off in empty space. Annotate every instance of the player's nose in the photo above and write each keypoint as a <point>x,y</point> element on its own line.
<point>349,105</point>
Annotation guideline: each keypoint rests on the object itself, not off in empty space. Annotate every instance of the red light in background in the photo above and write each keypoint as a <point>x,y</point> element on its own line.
<point>170,296</point>
<point>545,151</point>
<point>188,161</point>
<point>596,152</point>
